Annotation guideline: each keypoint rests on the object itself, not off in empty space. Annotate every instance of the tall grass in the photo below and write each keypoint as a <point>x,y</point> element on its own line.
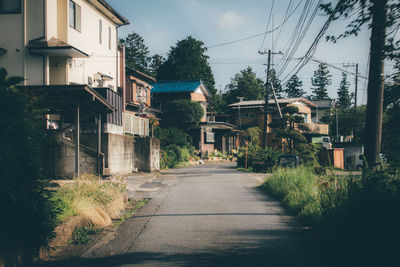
<point>299,191</point>
<point>355,220</point>
<point>95,201</point>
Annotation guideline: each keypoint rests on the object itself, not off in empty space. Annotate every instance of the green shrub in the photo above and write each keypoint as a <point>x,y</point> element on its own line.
<point>28,214</point>
<point>172,136</point>
<point>173,155</point>
<point>261,160</point>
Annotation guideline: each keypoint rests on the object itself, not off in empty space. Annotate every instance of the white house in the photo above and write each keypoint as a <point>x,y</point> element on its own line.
<point>61,42</point>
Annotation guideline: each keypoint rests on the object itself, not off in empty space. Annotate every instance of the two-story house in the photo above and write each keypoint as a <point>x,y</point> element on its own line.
<point>247,114</point>
<point>211,135</point>
<point>138,111</point>
<point>67,51</point>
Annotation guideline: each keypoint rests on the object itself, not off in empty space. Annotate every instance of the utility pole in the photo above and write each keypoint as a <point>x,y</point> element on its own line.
<point>355,97</point>
<point>264,139</point>
<point>373,122</point>
<point>240,98</point>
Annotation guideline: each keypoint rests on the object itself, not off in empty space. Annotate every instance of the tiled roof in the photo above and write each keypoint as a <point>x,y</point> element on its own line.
<point>175,86</point>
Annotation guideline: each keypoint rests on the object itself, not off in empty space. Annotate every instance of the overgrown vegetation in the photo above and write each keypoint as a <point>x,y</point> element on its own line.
<point>355,220</point>
<point>96,201</point>
<point>173,155</point>
<point>28,216</point>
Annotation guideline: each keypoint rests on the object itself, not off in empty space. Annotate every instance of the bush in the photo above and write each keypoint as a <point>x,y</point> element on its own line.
<point>172,136</point>
<point>261,160</point>
<point>173,155</point>
<point>28,216</point>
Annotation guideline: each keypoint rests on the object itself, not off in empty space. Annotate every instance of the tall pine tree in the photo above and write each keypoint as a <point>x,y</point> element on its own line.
<point>343,92</point>
<point>276,83</point>
<point>293,88</point>
<point>187,61</point>
<point>321,80</point>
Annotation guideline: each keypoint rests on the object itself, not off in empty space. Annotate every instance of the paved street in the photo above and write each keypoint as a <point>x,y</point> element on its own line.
<point>206,215</point>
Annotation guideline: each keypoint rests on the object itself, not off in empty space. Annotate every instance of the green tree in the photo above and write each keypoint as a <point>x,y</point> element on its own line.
<point>28,214</point>
<point>343,92</point>
<point>155,62</point>
<point>293,88</point>
<point>321,80</point>
<point>187,61</point>
<point>391,124</point>
<point>276,83</point>
<point>291,128</point>
<point>137,54</point>
<point>244,84</point>
<point>182,114</point>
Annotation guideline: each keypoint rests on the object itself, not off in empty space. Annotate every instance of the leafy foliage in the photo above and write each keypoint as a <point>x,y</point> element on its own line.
<point>258,159</point>
<point>346,121</point>
<point>29,215</point>
<point>182,114</point>
<point>138,57</point>
<point>391,124</point>
<point>244,84</point>
<point>293,88</point>
<point>187,61</point>
<point>360,12</point>
<point>321,80</point>
<point>343,92</point>
<point>136,52</point>
<point>172,136</point>
<point>273,78</point>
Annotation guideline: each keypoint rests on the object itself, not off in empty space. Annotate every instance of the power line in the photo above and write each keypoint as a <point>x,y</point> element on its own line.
<point>310,52</point>
<point>266,29</point>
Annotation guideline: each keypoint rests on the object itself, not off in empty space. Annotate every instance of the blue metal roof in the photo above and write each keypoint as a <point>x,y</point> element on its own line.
<point>175,86</point>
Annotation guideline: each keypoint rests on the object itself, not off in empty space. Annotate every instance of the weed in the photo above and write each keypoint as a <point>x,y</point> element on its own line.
<point>82,235</point>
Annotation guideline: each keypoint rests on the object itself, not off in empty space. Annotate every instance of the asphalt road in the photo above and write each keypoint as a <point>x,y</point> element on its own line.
<point>209,215</point>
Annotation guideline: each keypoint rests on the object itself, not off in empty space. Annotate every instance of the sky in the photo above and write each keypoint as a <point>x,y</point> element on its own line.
<point>164,22</point>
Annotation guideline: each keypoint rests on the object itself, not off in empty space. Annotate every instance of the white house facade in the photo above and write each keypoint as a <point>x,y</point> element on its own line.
<point>61,42</point>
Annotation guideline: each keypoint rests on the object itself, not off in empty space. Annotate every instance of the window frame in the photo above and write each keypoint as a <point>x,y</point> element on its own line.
<point>19,11</point>
<point>76,23</point>
<point>100,31</point>
<point>109,37</point>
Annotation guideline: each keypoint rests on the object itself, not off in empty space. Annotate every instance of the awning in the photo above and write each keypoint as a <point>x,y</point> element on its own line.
<point>59,97</point>
<point>55,48</point>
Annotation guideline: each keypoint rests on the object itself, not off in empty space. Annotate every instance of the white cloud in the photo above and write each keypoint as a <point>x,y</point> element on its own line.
<point>230,21</point>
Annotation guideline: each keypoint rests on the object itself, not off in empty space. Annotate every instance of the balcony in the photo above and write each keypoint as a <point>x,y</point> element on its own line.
<point>135,125</point>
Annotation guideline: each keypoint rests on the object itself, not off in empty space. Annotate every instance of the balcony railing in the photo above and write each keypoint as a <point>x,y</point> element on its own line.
<point>135,125</point>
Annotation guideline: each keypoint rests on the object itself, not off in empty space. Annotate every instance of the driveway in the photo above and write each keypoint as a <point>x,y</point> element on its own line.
<point>210,215</point>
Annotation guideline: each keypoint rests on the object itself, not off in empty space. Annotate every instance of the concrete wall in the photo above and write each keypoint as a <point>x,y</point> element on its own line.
<point>147,154</point>
<point>64,165</point>
<point>119,154</point>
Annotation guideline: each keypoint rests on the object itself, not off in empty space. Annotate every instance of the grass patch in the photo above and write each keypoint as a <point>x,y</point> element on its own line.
<point>83,235</point>
<point>96,201</point>
<point>249,169</point>
<point>298,188</point>
<point>131,212</point>
<point>355,220</point>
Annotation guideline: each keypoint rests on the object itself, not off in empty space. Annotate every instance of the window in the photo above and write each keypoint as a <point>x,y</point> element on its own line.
<point>10,6</point>
<point>74,16</point>
<point>100,30</point>
<point>210,137</point>
<point>109,38</point>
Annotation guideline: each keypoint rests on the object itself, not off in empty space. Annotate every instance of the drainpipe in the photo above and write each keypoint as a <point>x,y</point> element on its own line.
<point>24,45</point>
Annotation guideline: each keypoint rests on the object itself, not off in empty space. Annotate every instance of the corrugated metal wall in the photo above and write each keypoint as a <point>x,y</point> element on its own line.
<point>116,100</point>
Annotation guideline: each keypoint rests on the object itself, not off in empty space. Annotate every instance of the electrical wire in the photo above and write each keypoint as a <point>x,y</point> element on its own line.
<point>266,29</point>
